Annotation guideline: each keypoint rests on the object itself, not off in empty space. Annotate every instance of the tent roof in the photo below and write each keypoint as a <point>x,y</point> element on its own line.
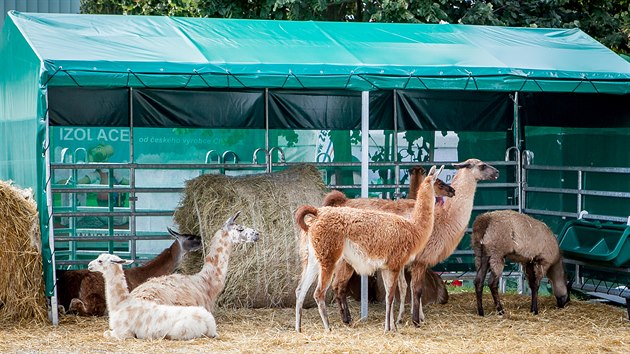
<point>150,51</point>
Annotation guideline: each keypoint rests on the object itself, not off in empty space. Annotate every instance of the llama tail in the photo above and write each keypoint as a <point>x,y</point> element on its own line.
<point>302,212</point>
<point>335,198</point>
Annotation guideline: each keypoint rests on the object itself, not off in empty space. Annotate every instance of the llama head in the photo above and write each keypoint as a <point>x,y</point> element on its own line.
<point>187,242</point>
<point>479,169</point>
<point>442,189</point>
<point>417,171</point>
<point>561,288</point>
<point>239,233</point>
<point>105,261</point>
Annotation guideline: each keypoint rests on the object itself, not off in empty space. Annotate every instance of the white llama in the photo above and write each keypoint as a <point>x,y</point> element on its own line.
<point>135,318</point>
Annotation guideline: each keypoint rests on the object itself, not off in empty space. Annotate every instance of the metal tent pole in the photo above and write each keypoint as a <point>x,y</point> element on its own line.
<point>266,112</point>
<point>395,143</point>
<point>365,131</point>
<point>132,179</point>
<point>54,311</point>
<point>519,179</point>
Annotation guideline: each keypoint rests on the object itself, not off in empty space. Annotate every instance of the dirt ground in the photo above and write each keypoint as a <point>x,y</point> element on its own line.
<point>582,327</point>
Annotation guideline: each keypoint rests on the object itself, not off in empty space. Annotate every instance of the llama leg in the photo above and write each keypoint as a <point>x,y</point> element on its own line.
<point>534,275</point>
<point>402,291</point>
<point>390,279</point>
<point>482,262</point>
<point>343,273</point>
<point>311,269</point>
<point>417,274</point>
<point>119,334</point>
<point>496,269</point>
<point>325,276</point>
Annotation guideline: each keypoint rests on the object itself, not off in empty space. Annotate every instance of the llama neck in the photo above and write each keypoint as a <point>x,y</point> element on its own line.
<point>414,184</point>
<point>162,264</point>
<point>215,266</point>
<point>452,219</point>
<point>458,209</point>
<point>424,207</point>
<point>115,287</point>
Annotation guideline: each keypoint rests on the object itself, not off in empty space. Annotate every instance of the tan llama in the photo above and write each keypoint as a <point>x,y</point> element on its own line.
<point>134,318</point>
<point>451,221</point>
<point>436,290</point>
<point>368,240</point>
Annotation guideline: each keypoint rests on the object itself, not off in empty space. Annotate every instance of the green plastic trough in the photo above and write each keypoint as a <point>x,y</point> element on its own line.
<point>595,241</point>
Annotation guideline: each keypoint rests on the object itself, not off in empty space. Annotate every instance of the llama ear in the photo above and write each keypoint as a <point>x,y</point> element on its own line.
<point>439,171</point>
<point>464,164</point>
<point>431,171</point>
<point>181,237</point>
<point>118,260</point>
<point>233,218</point>
<point>173,232</point>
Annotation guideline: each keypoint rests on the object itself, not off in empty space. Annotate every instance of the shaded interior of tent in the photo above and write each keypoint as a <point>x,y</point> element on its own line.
<point>106,117</point>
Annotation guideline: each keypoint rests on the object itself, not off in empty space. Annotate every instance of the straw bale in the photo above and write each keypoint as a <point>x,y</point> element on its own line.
<point>21,282</point>
<point>264,274</point>
<point>581,327</point>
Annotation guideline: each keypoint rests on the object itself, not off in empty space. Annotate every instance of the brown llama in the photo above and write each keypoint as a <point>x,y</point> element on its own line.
<point>518,237</point>
<point>204,287</point>
<point>368,240</point>
<point>451,220</point>
<point>83,292</point>
<point>345,275</point>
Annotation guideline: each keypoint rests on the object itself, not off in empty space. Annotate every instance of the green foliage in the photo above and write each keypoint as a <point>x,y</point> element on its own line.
<point>607,21</point>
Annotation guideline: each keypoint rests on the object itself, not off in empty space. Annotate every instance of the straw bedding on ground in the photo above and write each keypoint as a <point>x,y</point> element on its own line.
<point>452,328</point>
<point>21,283</point>
<point>264,274</point>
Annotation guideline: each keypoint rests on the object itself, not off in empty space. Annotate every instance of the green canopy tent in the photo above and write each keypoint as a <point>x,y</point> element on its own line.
<point>55,65</point>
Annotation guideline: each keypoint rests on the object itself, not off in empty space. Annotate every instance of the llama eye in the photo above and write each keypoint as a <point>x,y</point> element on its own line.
<point>483,167</point>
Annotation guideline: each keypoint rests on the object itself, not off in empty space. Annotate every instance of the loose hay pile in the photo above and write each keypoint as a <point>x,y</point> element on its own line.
<point>264,274</point>
<point>21,282</point>
<point>452,328</point>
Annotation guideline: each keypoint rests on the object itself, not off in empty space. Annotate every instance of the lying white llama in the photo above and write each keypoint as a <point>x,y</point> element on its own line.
<point>203,288</point>
<point>368,240</point>
<point>134,318</point>
<point>507,234</point>
<point>451,220</point>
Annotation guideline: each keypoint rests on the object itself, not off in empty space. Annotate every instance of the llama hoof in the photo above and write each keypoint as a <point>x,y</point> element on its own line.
<point>480,313</point>
<point>501,312</point>
<point>418,323</point>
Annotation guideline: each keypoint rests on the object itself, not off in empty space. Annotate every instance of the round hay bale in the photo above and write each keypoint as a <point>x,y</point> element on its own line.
<point>264,274</point>
<point>21,282</point>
